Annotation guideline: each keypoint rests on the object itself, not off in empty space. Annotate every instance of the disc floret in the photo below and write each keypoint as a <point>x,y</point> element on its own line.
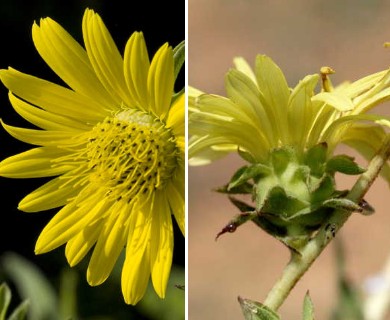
<point>132,155</point>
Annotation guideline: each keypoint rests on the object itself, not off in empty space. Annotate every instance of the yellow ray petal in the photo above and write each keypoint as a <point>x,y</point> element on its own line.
<point>176,202</point>
<point>136,69</point>
<point>366,139</point>
<point>373,101</point>
<point>300,111</point>
<point>335,99</point>
<point>45,120</point>
<point>136,268</point>
<point>227,130</point>
<point>273,86</point>
<point>364,84</point>
<point>33,163</point>
<point>51,97</point>
<point>105,58</point>
<point>68,60</point>
<point>247,105</point>
<point>135,275</point>
<point>161,81</point>
<point>110,244</point>
<point>52,194</point>
<point>38,137</point>
<point>242,65</point>
<point>334,133</point>
<point>68,222</point>
<point>175,118</point>
<point>161,244</point>
<point>79,245</point>
<point>203,149</point>
<point>324,116</point>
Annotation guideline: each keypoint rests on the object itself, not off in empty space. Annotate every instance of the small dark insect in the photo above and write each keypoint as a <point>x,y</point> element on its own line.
<point>180,286</point>
<point>331,227</point>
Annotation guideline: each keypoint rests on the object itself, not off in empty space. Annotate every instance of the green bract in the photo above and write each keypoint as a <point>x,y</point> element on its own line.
<point>293,194</point>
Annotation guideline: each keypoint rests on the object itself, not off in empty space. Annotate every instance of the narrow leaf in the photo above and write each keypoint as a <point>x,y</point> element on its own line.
<point>5,299</point>
<point>349,301</point>
<point>308,308</point>
<point>253,310</point>
<point>32,285</point>
<point>178,57</point>
<point>20,313</point>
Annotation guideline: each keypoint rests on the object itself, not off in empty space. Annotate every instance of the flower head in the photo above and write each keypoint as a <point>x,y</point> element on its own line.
<point>288,136</point>
<point>114,143</point>
<point>275,115</point>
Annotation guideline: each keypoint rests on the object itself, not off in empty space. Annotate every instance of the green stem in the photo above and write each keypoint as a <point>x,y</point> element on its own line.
<point>300,263</point>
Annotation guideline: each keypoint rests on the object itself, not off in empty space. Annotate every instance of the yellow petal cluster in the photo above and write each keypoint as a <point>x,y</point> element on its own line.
<point>113,141</point>
<point>260,112</point>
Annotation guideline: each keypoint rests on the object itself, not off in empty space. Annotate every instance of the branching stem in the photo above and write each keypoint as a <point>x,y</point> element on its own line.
<point>300,263</point>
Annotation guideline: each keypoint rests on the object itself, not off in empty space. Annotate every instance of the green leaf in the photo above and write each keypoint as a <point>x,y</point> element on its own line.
<point>68,294</point>
<point>179,55</point>
<point>254,310</point>
<point>349,302</point>
<point>308,308</point>
<point>177,95</point>
<point>20,313</point>
<point>5,299</point>
<point>32,285</point>
<point>172,307</point>
<point>344,164</point>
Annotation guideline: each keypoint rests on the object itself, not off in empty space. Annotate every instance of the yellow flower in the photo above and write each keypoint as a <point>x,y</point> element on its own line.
<point>114,143</point>
<point>261,113</point>
<point>288,138</point>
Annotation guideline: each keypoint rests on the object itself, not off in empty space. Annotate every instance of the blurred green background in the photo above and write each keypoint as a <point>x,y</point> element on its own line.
<point>160,23</point>
<point>301,36</point>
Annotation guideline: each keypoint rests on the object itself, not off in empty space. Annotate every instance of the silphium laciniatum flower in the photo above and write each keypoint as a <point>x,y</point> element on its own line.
<point>114,144</point>
<point>288,138</point>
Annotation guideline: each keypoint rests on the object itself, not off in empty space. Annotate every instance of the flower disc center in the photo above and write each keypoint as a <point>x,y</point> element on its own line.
<point>131,154</point>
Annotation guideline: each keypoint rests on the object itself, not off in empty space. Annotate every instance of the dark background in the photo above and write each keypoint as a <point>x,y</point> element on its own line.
<point>160,22</point>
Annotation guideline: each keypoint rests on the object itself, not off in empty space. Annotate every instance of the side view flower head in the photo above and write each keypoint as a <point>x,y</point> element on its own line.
<point>113,143</point>
<point>288,137</point>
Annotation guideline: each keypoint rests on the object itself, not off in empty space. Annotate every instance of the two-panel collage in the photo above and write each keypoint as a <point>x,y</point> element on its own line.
<point>194,160</point>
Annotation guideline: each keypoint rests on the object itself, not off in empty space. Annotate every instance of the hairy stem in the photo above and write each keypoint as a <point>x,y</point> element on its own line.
<point>300,263</point>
